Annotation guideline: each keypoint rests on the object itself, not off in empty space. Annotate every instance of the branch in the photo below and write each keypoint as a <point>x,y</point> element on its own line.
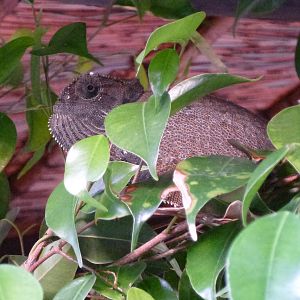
<point>137,253</point>
<point>33,262</point>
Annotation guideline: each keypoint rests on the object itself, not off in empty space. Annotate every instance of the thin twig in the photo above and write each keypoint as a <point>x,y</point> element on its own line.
<point>113,285</point>
<point>137,253</point>
<point>167,253</point>
<point>33,262</point>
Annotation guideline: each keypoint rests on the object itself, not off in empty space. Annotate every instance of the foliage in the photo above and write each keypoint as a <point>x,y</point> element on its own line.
<point>96,240</point>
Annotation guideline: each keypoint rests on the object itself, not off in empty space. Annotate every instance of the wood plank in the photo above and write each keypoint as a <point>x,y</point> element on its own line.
<point>6,7</point>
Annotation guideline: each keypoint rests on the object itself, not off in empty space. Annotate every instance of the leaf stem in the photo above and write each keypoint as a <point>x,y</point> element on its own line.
<point>20,236</point>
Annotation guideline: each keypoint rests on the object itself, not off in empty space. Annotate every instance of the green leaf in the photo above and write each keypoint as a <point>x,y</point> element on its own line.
<point>115,207</point>
<point>16,283</point>
<point>68,39</point>
<point>56,271</point>
<point>284,128</point>
<point>4,195</point>
<point>16,260</point>
<point>138,294</point>
<point>8,139</point>
<point>142,6</point>
<point>126,275</point>
<point>198,86</point>
<point>5,226</point>
<point>106,290</point>
<point>110,240</point>
<point>77,289</point>
<point>179,31</point>
<point>37,155</point>
<point>10,55</point>
<point>172,9</point>
<point>83,65</point>
<point>120,174</point>
<point>200,179</point>
<point>16,76</point>
<point>162,71</point>
<point>60,217</point>
<point>37,120</point>
<point>266,254</point>
<point>168,9</point>
<point>258,7</point>
<point>145,125</point>
<point>143,199</point>
<point>258,177</point>
<point>207,50</point>
<point>115,178</point>
<point>297,57</point>
<point>206,259</point>
<point>185,290</point>
<point>293,205</point>
<point>35,67</point>
<point>129,274</point>
<point>86,162</point>
<point>158,288</point>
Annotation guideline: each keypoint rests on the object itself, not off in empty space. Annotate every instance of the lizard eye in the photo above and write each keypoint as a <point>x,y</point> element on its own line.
<point>90,91</point>
<point>87,88</point>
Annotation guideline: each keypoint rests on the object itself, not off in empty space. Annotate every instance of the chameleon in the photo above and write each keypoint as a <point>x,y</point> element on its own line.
<point>202,128</point>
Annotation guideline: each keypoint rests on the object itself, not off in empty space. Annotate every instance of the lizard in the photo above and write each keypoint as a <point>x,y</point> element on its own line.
<point>202,128</point>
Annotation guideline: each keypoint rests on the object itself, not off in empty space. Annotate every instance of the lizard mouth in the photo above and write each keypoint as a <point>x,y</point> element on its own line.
<point>67,130</point>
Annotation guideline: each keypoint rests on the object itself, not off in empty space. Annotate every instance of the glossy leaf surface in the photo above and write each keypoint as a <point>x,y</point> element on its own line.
<point>138,294</point>
<point>191,89</point>
<point>158,288</point>
<point>86,162</point>
<point>284,128</point>
<point>142,200</point>
<point>120,174</point>
<point>115,179</point>
<point>185,290</point>
<point>110,240</point>
<point>77,289</point>
<point>266,254</point>
<point>126,275</point>
<point>145,122</point>
<point>200,179</point>
<point>56,271</point>
<point>206,259</point>
<point>258,177</point>
<point>163,70</point>
<point>10,55</point>
<point>37,120</point>
<point>178,31</point>
<point>68,39</point>
<point>129,273</point>
<point>106,290</point>
<point>16,284</point>
<point>8,139</point>
<point>60,217</point>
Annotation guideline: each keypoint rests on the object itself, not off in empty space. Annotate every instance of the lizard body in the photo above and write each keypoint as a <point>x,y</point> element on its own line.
<point>202,128</point>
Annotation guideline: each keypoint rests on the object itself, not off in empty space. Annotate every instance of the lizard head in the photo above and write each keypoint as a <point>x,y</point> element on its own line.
<point>81,109</point>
